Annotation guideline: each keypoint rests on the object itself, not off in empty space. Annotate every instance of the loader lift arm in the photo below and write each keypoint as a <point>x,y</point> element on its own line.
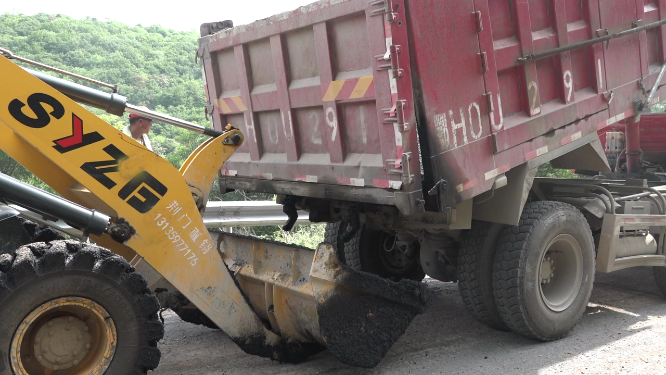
<point>96,166</point>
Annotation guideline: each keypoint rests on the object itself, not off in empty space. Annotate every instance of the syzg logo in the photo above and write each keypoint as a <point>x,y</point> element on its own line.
<point>142,192</point>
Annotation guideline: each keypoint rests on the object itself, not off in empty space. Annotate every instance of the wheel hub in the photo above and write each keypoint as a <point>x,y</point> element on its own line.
<point>392,255</point>
<point>71,335</point>
<point>564,254</point>
<point>62,342</point>
<point>547,270</point>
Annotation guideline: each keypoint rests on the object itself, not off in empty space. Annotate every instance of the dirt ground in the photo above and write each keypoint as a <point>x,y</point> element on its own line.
<point>623,332</point>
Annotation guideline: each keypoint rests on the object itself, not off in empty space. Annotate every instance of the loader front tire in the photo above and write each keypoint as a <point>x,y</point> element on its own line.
<point>544,270</point>
<point>74,308</point>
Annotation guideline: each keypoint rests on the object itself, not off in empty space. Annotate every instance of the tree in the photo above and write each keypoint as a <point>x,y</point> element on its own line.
<point>547,170</point>
<point>153,66</point>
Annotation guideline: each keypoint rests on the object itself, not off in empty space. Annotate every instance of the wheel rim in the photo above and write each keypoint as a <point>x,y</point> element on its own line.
<point>391,258</point>
<point>561,272</point>
<point>71,335</point>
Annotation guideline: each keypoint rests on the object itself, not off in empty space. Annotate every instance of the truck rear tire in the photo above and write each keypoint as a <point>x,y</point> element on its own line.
<point>365,252</point>
<point>660,278</point>
<point>89,301</point>
<point>475,272</point>
<point>544,271</point>
<point>351,258</point>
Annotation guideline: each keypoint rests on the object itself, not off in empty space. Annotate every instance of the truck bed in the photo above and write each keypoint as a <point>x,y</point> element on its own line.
<point>380,101</point>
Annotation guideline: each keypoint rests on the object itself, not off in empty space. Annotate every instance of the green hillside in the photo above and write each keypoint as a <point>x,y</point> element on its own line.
<point>154,67</point>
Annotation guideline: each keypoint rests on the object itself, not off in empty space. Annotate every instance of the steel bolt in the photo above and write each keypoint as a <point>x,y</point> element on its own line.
<point>68,327</point>
<point>70,319</point>
<point>51,323</point>
<point>87,346</point>
<point>552,275</point>
<point>75,353</point>
<point>38,339</point>
<point>28,358</point>
<point>40,358</point>
<point>57,359</point>
<point>85,329</point>
<point>51,333</point>
<point>55,368</point>
<point>75,363</point>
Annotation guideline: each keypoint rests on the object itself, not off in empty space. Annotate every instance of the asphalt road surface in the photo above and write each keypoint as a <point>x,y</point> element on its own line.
<point>623,331</point>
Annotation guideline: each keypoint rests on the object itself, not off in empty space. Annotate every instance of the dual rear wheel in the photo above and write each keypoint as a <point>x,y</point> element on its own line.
<point>534,278</point>
<point>377,252</point>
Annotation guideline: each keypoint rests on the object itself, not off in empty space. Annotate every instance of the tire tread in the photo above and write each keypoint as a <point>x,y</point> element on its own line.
<point>660,278</point>
<point>508,268</point>
<point>39,259</point>
<point>478,298</point>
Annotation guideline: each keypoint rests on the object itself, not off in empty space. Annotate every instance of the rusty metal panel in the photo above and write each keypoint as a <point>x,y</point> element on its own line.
<point>330,93</point>
<point>528,108</point>
<point>451,70</point>
<point>308,90</point>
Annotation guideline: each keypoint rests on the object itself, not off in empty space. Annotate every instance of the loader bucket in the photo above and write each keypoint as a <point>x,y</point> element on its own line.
<point>315,302</point>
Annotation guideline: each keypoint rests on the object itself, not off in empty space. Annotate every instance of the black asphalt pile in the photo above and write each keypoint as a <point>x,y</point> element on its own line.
<point>362,318</point>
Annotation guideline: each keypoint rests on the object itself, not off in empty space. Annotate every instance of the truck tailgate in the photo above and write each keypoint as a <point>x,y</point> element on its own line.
<point>312,91</point>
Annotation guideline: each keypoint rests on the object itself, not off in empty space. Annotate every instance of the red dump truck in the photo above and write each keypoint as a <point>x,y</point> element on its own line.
<point>652,135</point>
<point>415,129</point>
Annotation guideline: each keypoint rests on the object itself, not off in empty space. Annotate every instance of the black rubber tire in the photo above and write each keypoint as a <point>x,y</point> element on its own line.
<point>192,314</point>
<point>351,259</point>
<point>516,278</point>
<point>181,306</point>
<point>27,280</point>
<point>475,272</point>
<point>361,253</point>
<point>660,278</point>
<point>39,234</point>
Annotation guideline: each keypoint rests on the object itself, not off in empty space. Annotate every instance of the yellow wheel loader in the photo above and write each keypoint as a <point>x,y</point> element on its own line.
<point>73,307</point>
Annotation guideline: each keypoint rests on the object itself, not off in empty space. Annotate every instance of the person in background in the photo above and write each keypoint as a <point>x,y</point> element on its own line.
<point>138,128</point>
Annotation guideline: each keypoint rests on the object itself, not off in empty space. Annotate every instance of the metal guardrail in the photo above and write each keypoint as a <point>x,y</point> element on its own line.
<point>247,214</point>
<point>218,214</point>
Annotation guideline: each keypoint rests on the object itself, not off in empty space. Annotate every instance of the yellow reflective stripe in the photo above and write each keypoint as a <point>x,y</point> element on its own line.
<point>333,91</point>
<point>239,103</point>
<point>361,87</point>
<point>223,106</point>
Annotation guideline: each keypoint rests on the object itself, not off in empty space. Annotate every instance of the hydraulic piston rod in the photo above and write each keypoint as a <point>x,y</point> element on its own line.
<point>90,222</point>
<point>15,191</point>
<point>112,103</point>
